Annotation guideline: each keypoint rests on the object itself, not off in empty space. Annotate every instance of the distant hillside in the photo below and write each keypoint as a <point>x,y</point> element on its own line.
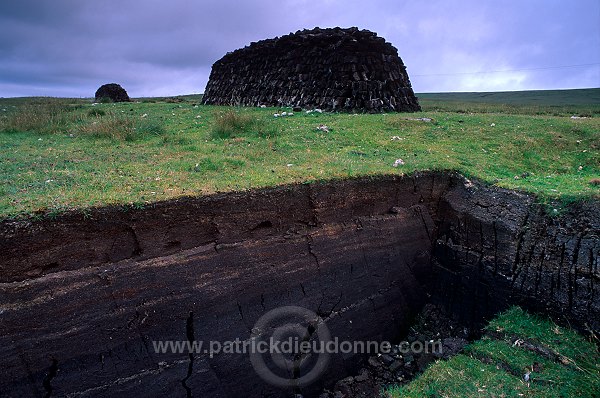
<point>590,96</point>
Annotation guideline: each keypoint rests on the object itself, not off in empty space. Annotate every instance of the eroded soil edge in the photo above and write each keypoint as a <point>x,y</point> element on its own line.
<point>83,296</point>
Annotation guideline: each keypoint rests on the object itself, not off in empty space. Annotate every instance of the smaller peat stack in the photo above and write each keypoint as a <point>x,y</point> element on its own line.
<point>111,92</point>
<point>333,69</point>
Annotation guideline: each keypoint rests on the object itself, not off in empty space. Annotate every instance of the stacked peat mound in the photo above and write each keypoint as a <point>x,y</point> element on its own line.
<point>332,69</point>
<point>111,92</point>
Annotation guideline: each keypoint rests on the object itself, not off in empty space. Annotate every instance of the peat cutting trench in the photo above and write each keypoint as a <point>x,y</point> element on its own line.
<point>85,296</point>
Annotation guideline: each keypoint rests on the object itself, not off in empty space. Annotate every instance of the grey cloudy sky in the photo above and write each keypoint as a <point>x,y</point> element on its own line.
<point>167,47</point>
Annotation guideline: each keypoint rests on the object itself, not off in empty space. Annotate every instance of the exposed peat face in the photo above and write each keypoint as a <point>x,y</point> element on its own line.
<point>86,299</point>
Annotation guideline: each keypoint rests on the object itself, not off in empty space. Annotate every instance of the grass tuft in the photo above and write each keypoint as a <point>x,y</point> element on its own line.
<point>95,112</point>
<point>121,127</point>
<point>111,126</point>
<point>232,123</point>
<point>44,116</point>
<point>558,361</point>
<point>150,127</point>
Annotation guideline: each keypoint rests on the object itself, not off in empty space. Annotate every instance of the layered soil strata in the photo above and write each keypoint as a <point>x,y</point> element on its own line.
<point>84,295</point>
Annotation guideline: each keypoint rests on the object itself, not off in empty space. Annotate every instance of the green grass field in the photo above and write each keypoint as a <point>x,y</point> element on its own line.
<point>60,154</point>
<point>558,361</point>
<point>549,98</point>
<point>581,102</point>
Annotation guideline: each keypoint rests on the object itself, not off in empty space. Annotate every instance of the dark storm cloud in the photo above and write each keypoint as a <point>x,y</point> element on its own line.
<point>70,47</point>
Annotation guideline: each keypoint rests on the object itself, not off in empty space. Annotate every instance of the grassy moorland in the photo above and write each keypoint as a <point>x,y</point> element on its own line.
<point>557,361</point>
<point>526,102</point>
<point>59,154</point>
